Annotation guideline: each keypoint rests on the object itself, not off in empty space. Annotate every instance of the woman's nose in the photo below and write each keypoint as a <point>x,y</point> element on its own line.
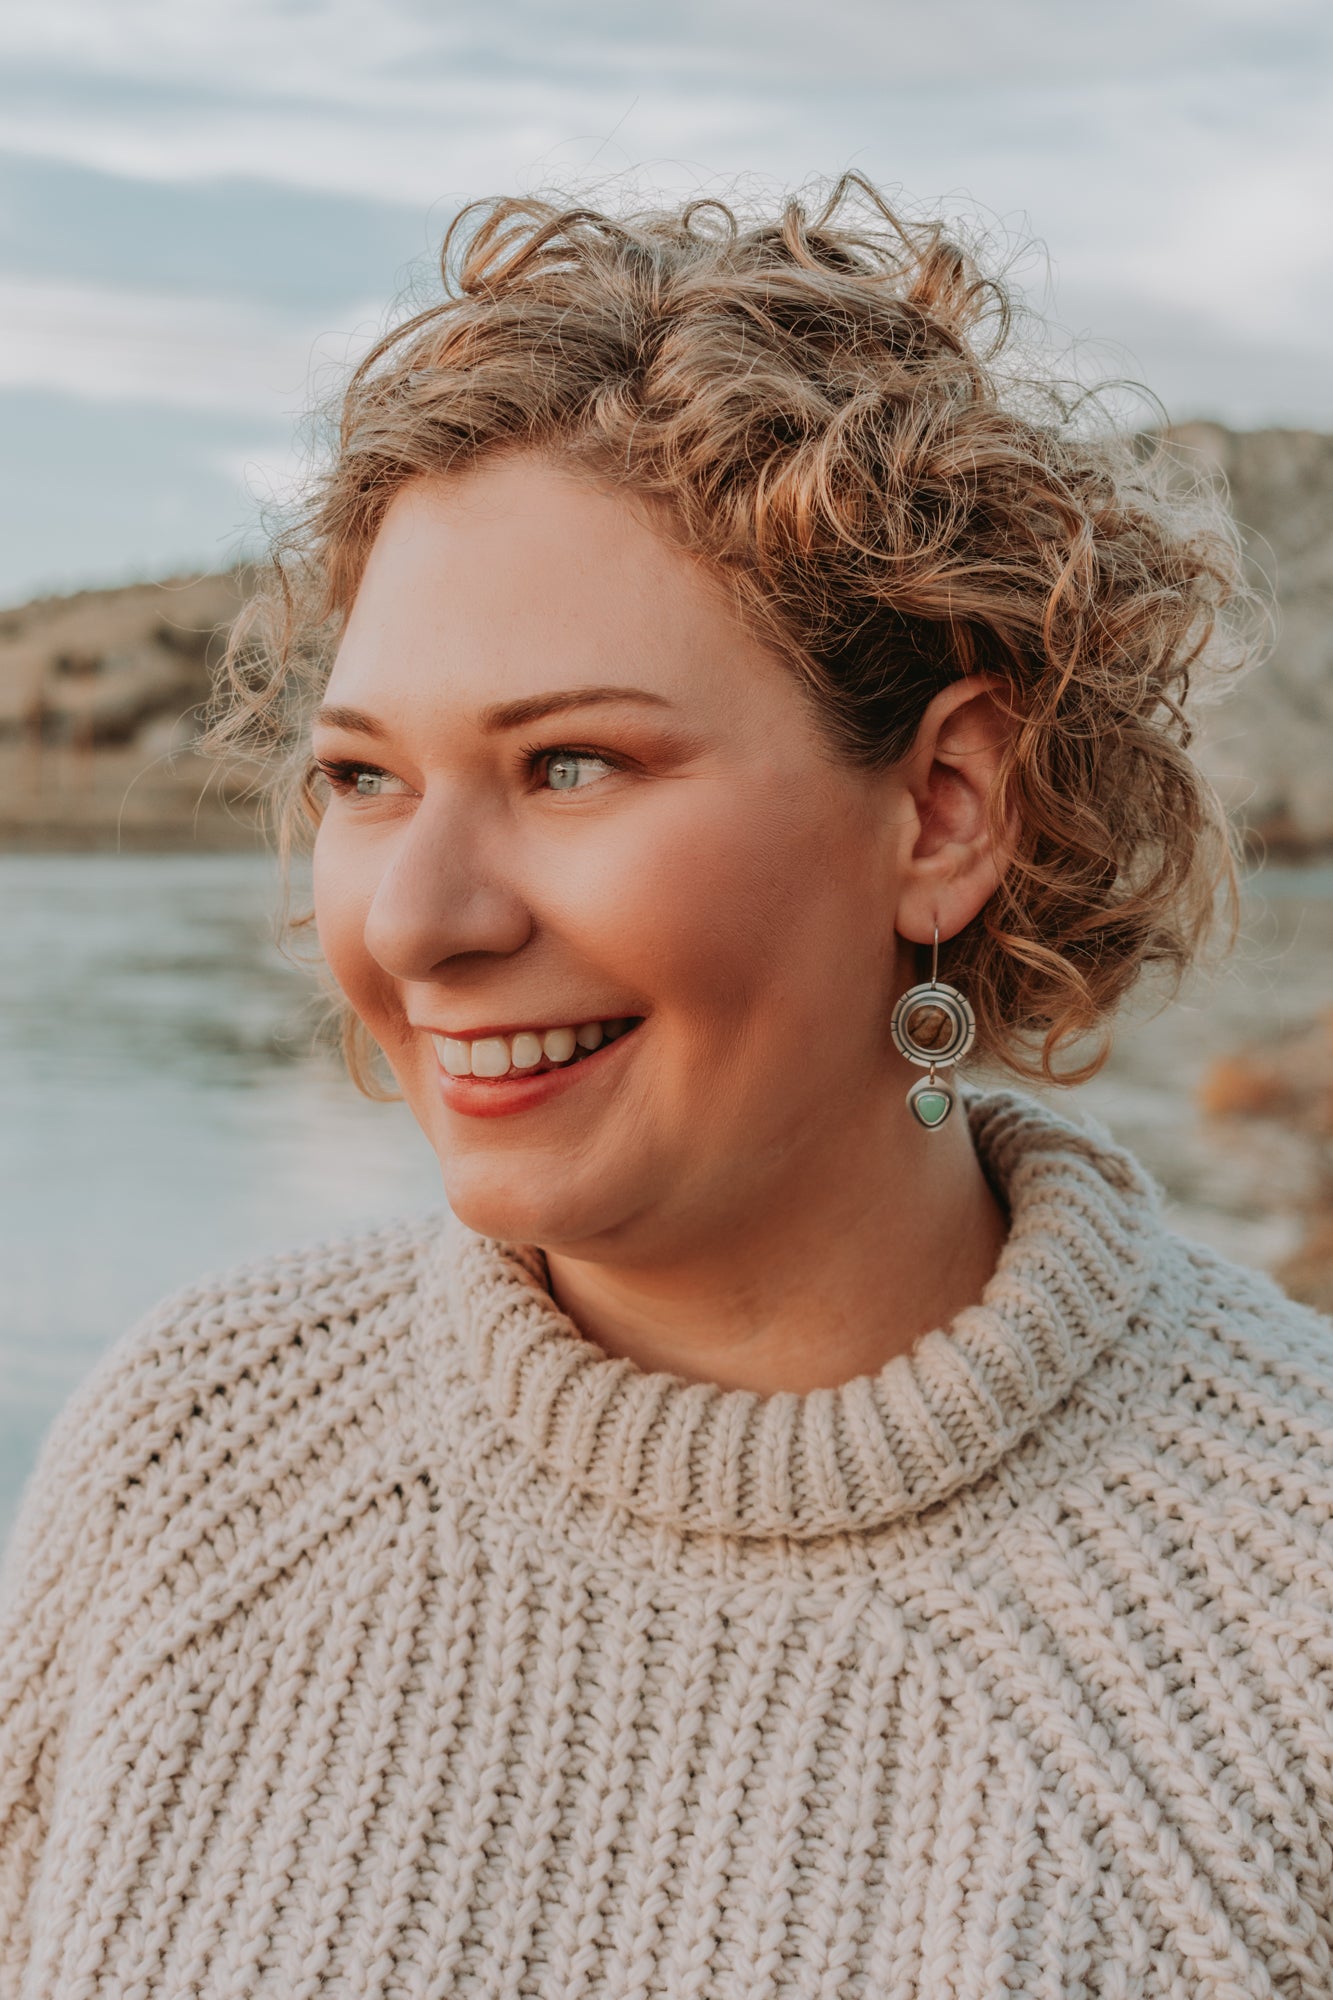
<point>441,898</point>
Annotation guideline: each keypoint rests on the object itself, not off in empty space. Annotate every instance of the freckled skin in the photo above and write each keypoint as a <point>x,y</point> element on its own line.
<point>735,883</point>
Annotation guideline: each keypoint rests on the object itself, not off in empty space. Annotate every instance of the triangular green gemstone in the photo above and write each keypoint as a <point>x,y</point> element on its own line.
<point>931,1106</point>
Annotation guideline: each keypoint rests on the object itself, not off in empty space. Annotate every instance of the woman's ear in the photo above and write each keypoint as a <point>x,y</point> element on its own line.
<point>951,858</point>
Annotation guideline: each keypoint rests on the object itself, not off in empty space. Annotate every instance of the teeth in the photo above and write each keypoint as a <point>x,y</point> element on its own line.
<point>495,1055</point>
<point>490,1056</point>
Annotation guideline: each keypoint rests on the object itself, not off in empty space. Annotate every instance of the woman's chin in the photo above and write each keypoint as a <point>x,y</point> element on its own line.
<point>525,1207</point>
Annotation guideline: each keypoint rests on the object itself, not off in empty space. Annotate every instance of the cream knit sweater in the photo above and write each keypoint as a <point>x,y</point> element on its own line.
<point>369,1632</point>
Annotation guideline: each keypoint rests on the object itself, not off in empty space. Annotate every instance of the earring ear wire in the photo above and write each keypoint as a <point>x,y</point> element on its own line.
<point>932,1098</point>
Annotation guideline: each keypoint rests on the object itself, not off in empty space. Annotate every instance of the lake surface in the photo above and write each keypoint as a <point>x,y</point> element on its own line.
<point>165,1110</point>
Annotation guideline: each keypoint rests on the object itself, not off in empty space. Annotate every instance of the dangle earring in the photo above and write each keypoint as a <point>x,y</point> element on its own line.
<point>932,1026</point>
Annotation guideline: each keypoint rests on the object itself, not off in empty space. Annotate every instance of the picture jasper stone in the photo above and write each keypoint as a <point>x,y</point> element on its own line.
<point>928,1026</point>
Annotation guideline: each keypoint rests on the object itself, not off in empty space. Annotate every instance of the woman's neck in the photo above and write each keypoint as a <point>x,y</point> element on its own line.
<point>835,1278</point>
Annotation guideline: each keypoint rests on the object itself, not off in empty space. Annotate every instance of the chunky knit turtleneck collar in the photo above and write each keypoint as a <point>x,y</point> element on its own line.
<point>697,1457</point>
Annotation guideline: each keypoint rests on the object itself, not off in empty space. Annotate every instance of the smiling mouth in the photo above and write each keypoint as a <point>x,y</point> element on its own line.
<point>530,1051</point>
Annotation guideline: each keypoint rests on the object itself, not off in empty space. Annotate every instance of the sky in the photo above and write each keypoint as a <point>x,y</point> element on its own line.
<point>209,207</point>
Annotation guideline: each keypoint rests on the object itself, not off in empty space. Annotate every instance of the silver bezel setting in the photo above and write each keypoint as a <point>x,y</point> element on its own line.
<point>963,1027</point>
<point>932,1085</point>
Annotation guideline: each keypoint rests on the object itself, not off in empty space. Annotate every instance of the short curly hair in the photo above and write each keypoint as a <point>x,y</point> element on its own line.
<point>823,407</point>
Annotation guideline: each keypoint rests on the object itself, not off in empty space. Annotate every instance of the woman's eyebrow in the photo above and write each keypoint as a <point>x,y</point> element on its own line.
<point>334,716</point>
<point>531,708</point>
<point>503,714</point>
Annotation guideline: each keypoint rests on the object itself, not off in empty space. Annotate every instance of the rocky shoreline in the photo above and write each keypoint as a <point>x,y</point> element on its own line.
<point>1226,1094</point>
<point>1268,744</point>
<point>102,701</point>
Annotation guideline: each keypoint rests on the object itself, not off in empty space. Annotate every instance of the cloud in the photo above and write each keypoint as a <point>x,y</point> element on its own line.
<point>184,353</point>
<point>120,490</point>
<point>250,240</point>
<point>1177,149</point>
<point>1196,368</point>
<point>413,102</point>
<point>204,208</point>
<point>394,52</point>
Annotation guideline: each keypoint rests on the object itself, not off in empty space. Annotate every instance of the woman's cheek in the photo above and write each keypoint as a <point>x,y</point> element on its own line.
<point>712,903</point>
<point>689,881</point>
<point>344,888</point>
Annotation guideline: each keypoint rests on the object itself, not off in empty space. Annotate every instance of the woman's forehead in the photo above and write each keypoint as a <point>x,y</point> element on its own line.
<point>516,579</point>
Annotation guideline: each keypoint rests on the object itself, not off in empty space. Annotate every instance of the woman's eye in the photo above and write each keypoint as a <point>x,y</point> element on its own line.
<point>360,781</point>
<point>566,770</point>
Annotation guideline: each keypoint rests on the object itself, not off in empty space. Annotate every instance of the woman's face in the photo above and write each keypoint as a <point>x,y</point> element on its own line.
<point>569,792</point>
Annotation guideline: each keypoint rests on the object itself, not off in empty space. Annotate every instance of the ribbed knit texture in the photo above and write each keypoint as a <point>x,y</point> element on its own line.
<point>368,1633</point>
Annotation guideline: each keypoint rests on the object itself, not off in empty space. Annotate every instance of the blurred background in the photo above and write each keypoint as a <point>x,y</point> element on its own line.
<point>209,207</point>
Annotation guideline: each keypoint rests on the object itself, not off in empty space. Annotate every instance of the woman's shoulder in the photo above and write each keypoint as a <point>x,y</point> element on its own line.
<point>219,1364</point>
<point>1236,1321</point>
<point>1212,1402</point>
<point>1212,1415</point>
<point>303,1303</point>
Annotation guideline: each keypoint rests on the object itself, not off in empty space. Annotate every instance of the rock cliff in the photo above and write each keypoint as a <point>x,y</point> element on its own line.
<point>101,703</point>
<point>1269,745</point>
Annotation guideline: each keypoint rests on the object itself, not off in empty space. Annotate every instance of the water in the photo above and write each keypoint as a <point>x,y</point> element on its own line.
<point>163,1112</point>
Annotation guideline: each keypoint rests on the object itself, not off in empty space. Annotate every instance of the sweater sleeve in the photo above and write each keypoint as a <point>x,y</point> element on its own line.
<point>158,1419</point>
<point>84,1511</point>
<point>56,1558</point>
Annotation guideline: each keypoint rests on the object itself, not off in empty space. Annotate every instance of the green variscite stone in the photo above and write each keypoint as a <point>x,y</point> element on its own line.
<point>931,1106</point>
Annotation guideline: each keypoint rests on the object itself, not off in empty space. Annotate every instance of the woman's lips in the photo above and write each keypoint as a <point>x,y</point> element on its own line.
<point>497,1097</point>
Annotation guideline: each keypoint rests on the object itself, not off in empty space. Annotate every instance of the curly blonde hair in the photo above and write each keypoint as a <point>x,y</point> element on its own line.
<point>823,408</point>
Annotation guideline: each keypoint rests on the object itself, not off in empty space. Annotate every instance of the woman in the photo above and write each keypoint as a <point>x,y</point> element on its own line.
<point>806,1527</point>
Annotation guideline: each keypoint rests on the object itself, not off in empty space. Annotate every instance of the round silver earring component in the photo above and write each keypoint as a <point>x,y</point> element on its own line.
<point>933,1027</point>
